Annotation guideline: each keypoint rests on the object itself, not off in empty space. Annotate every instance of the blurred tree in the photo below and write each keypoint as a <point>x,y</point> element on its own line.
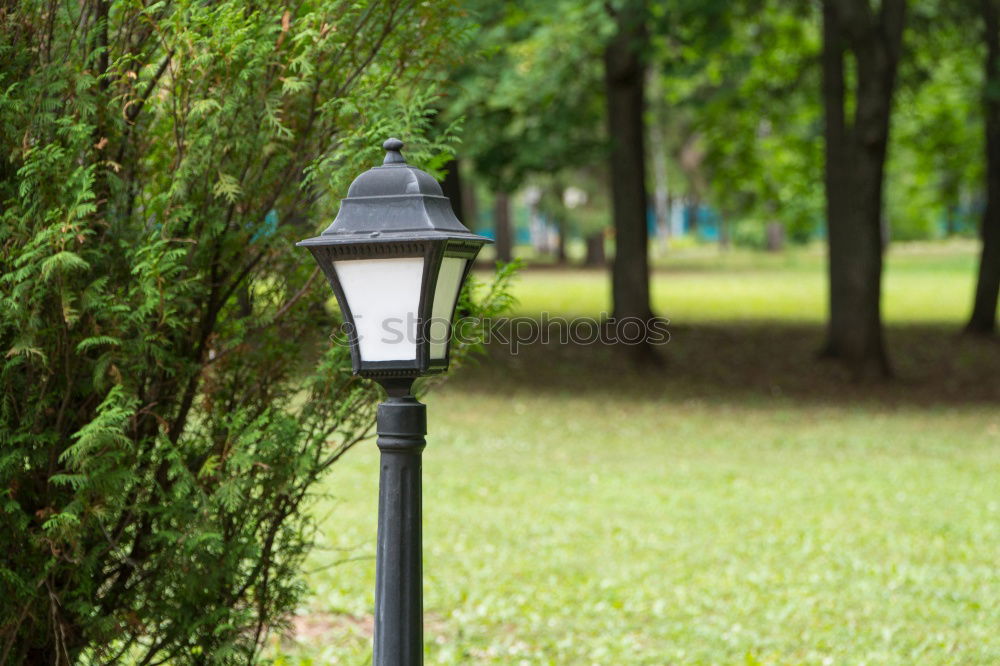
<point>552,205</point>
<point>624,85</point>
<point>747,116</point>
<point>531,102</point>
<point>452,187</point>
<point>659,149</point>
<point>587,208</point>
<point>984,312</point>
<point>534,106</point>
<point>935,161</point>
<point>861,52</point>
<point>504,231</point>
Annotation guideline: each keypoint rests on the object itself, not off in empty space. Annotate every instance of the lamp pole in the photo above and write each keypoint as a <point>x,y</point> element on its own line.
<point>401,424</point>
<point>396,253</point>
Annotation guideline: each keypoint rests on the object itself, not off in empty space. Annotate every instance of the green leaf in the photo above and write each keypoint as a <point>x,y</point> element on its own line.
<point>96,341</point>
<point>63,262</point>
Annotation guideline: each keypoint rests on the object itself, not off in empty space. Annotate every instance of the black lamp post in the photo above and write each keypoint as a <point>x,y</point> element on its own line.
<point>396,257</point>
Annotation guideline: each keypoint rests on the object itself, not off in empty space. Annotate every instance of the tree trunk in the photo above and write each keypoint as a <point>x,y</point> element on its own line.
<point>595,249</point>
<point>855,161</point>
<point>658,151</point>
<point>563,231</point>
<point>725,239</point>
<point>452,188</point>
<point>504,232</point>
<point>693,204</point>
<point>951,220</point>
<point>102,131</point>
<point>775,233</point>
<point>624,87</point>
<point>470,204</point>
<point>560,214</point>
<point>984,311</point>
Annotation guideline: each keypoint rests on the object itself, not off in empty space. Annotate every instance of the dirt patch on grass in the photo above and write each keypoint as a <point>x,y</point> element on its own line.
<point>318,627</point>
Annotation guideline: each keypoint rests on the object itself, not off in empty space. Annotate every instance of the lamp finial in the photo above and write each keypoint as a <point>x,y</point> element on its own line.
<point>392,154</point>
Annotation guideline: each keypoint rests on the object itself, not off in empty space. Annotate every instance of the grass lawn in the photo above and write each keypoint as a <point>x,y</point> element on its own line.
<point>923,283</point>
<point>739,504</point>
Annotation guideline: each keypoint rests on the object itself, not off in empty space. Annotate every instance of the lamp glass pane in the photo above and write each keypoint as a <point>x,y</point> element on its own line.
<point>383,295</point>
<point>445,294</point>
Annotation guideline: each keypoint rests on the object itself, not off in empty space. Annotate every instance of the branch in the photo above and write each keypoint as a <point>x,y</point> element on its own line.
<point>239,278</point>
<point>132,109</point>
<point>280,313</point>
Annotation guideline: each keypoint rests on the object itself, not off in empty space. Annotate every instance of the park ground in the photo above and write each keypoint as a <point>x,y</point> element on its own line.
<point>740,503</point>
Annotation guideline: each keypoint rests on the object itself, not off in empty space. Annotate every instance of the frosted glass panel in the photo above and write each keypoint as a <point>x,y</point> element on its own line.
<point>445,294</point>
<point>383,295</point>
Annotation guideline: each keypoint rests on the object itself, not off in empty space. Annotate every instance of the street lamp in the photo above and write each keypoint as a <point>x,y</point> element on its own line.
<point>396,257</point>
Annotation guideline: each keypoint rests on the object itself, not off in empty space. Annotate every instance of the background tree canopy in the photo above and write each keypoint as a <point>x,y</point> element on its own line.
<point>850,121</point>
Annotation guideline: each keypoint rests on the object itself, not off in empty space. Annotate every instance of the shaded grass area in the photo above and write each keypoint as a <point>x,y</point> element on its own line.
<point>742,503</point>
<point>935,365</point>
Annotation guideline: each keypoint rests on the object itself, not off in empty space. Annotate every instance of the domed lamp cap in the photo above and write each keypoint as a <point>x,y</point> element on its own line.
<point>394,202</point>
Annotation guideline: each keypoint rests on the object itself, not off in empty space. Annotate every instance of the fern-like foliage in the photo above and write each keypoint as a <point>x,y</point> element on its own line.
<point>168,395</point>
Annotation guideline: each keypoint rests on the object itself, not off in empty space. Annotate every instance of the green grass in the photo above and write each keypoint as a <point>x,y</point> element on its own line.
<point>740,504</point>
<point>922,284</point>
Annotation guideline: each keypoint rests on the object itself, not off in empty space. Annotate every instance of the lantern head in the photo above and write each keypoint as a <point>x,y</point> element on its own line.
<point>396,257</point>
